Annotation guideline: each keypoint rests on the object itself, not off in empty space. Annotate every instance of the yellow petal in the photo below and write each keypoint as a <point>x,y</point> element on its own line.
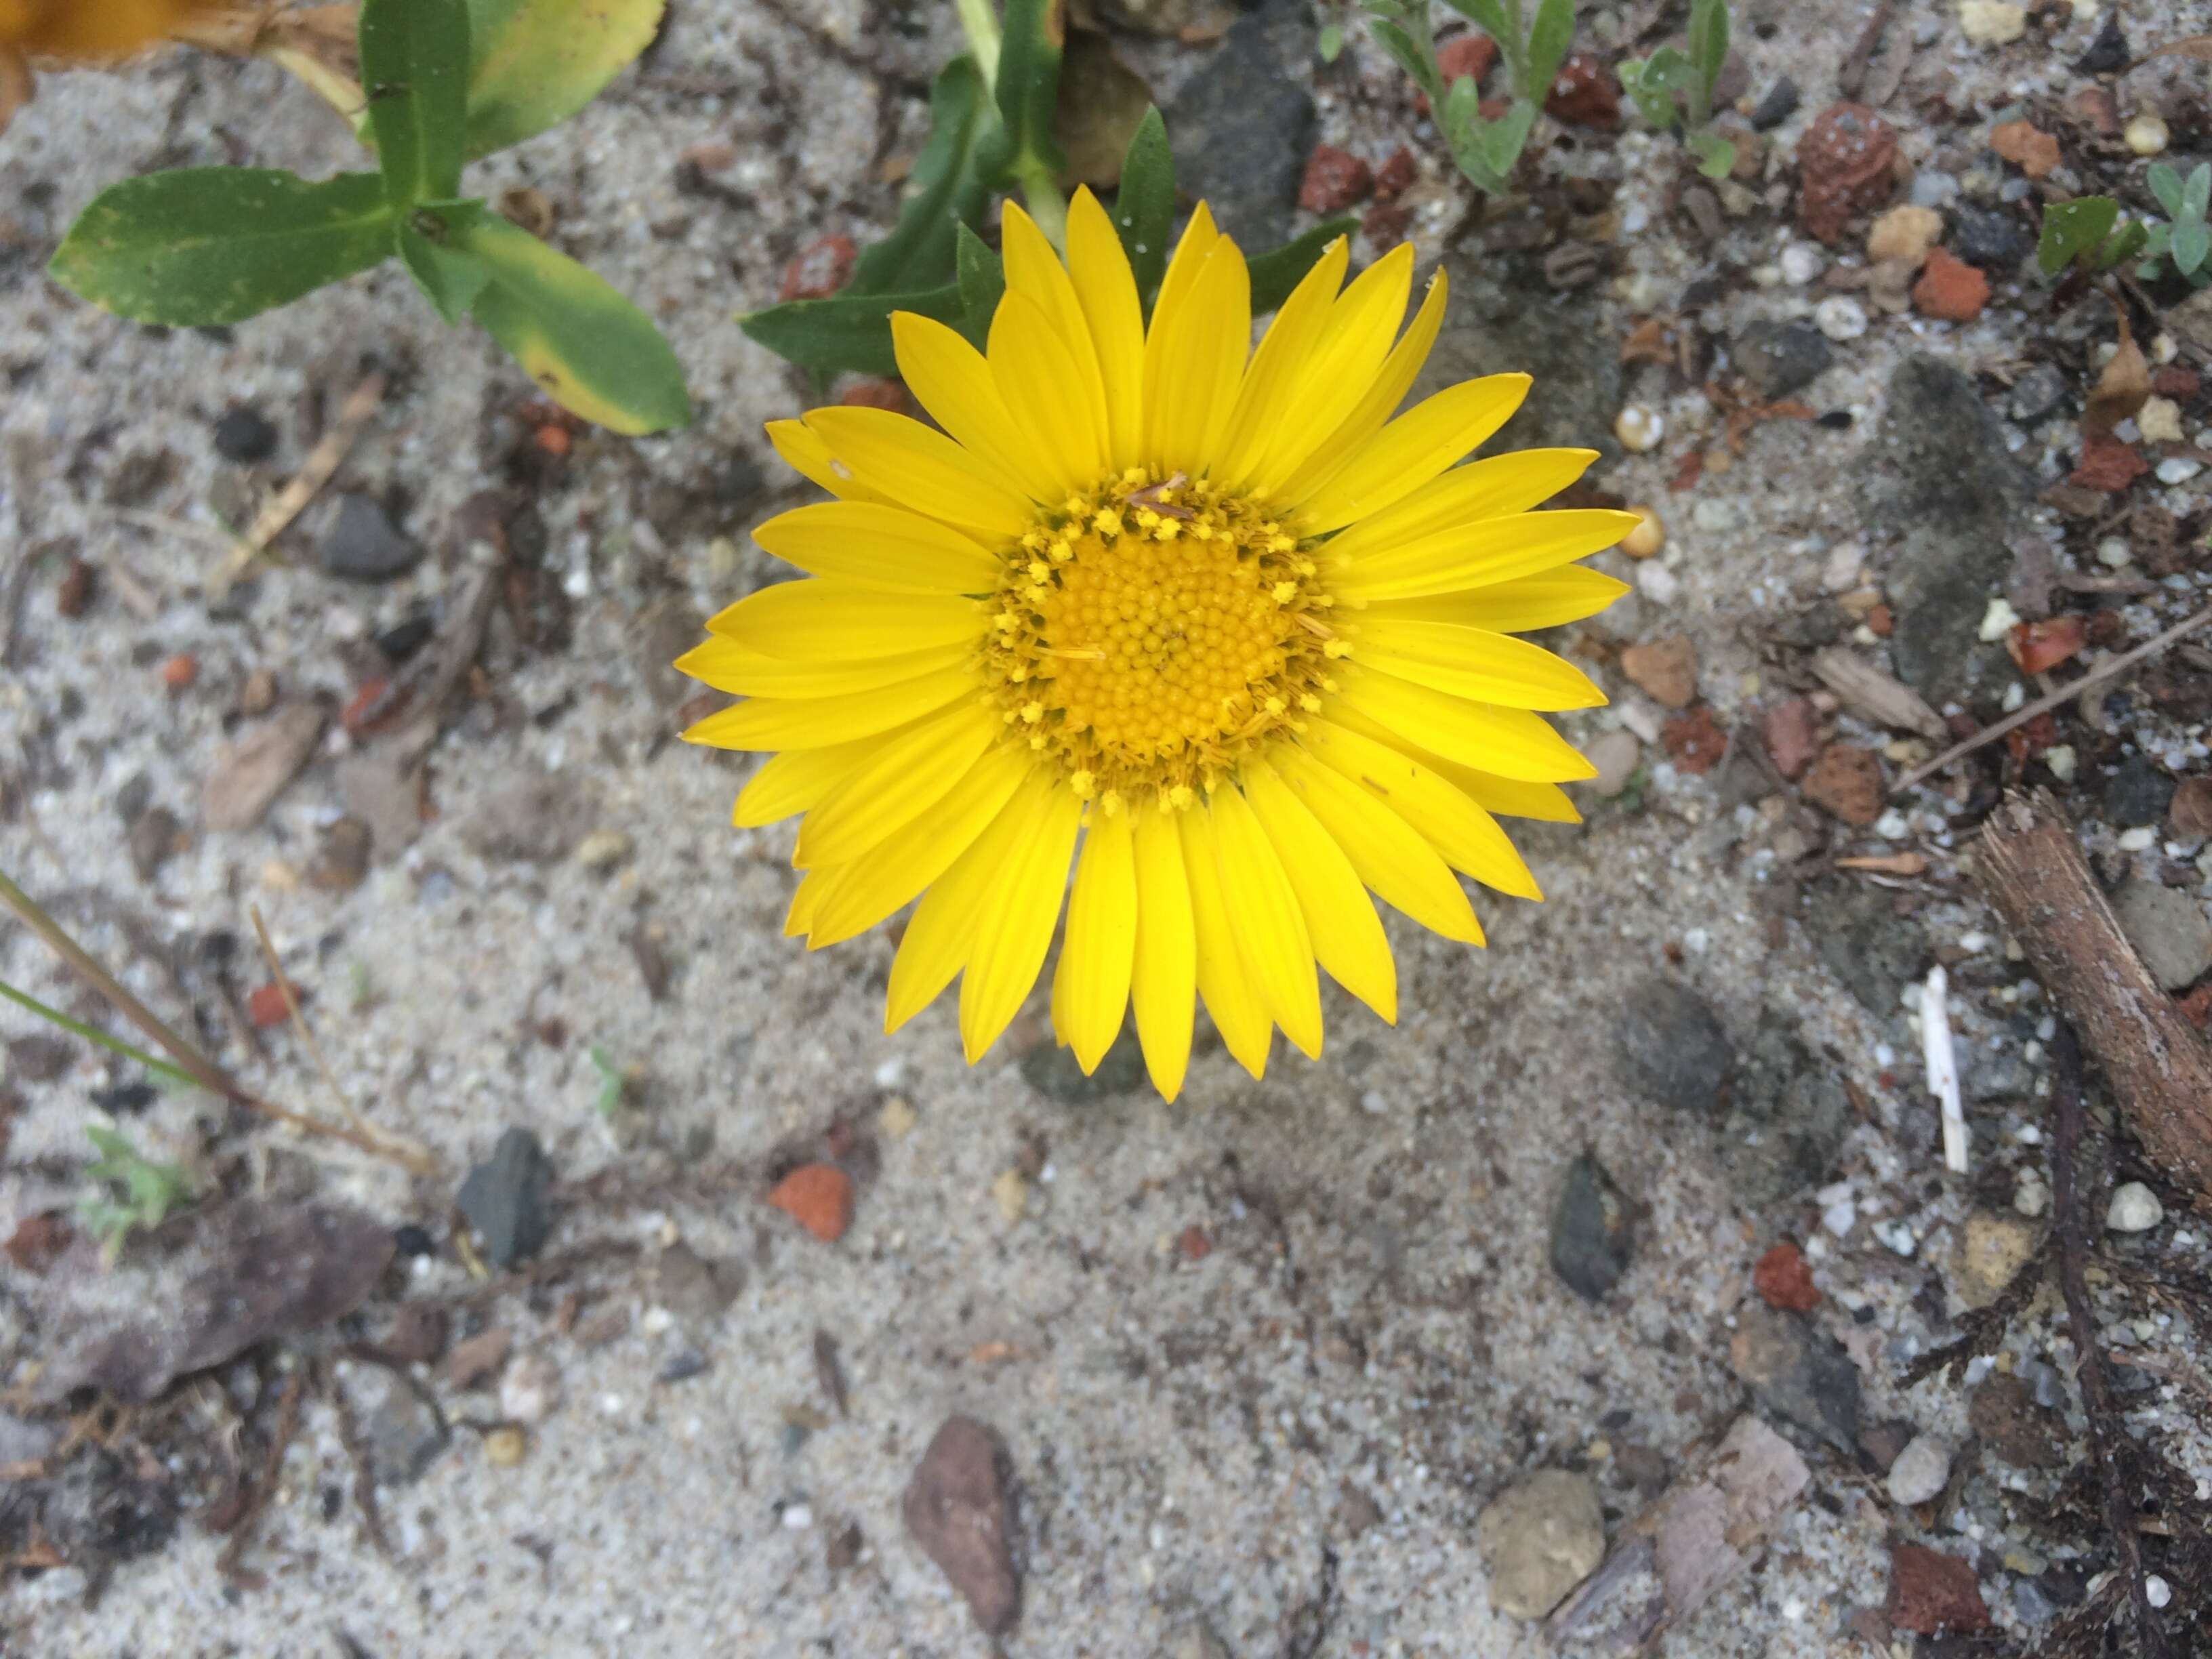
<point>806,899</point>
<point>794,782</point>
<point>1193,362</point>
<point>1092,991</point>
<point>1107,290</point>
<point>1467,837</point>
<point>728,666</point>
<point>1354,386</point>
<point>1044,392</point>
<point>1390,854</point>
<point>1472,662</point>
<point>952,380</point>
<point>907,462</point>
<point>830,618</point>
<point>891,876</point>
<point>1348,935</point>
<point>806,453</point>
<point>813,723</point>
<point>1199,237</point>
<point>1269,924</point>
<point>1231,996</point>
<point>1033,273</point>
<point>1512,798</point>
<point>1493,488</point>
<point>1479,554</point>
<point>906,776</point>
<point>1163,983</point>
<point>1511,742</point>
<point>1263,403</point>
<point>1016,928</point>
<point>941,933</point>
<point>1410,451</point>
<point>881,546</point>
<point>1549,600</point>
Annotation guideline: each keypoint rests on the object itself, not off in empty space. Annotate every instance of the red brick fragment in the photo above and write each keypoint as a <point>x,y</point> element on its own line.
<point>1845,167</point>
<point>1334,180</point>
<point>1792,735</point>
<point>2037,646</point>
<point>1694,742</point>
<point>1949,289</point>
<point>1783,1280</point>
<point>819,1197</point>
<point>1393,178</point>
<point>1585,92</point>
<point>1930,1591</point>
<point>2107,463</point>
<point>823,266</point>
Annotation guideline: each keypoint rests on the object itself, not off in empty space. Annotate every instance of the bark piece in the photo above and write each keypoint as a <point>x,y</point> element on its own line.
<point>958,1509</point>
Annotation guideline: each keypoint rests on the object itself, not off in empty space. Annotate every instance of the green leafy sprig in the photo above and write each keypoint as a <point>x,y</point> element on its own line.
<point>1485,150</point>
<point>1674,89</point>
<point>149,1191</point>
<point>2187,242</point>
<point>2087,231</point>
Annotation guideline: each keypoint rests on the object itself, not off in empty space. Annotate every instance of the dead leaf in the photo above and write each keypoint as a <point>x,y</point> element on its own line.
<point>2123,386</point>
<point>2198,46</point>
<point>254,770</point>
<point>1102,100</point>
<point>2027,147</point>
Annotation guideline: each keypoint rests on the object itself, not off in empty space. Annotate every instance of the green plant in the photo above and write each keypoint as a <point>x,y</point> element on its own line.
<point>2186,243</point>
<point>440,83</point>
<point>613,1081</point>
<point>2087,231</point>
<point>1486,151</point>
<point>149,1191</point>
<point>1674,89</point>
<point>990,135</point>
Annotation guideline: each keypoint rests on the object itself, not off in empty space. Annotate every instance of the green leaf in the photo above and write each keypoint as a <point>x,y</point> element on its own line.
<point>1409,57</point>
<point>2072,228</point>
<point>1143,207</point>
<point>1549,37</point>
<point>1274,275</point>
<point>1648,93</point>
<point>2197,193</point>
<point>449,276</point>
<point>1028,90</point>
<point>1330,43</point>
<point>591,350</point>
<point>2166,185</point>
<point>982,285</point>
<point>204,246</point>
<point>1715,155</point>
<point>533,63</point>
<point>847,332</point>
<point>2126,243</point>
<point>414,73</point>
<point>2192,244</point>
<point>1709,49</point>
<point>1502,143</point>
<point>954,178</point>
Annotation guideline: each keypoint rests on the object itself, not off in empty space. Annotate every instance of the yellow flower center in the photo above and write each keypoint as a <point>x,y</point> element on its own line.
<point>1154,630</point>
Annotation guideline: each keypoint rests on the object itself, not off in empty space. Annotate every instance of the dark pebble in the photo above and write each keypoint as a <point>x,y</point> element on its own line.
<point>124,1099</point>
<point>683,1367</point>
<point>1592,1231</point>
<point>1051,1071</point>
<point>242,435</point>
<point>1779,104</point>
<point>958,1509</point>
<point>401,642</point>
<point>2037,393</point>
<point>507,1198</point>
<point>1781,358</point>
<point>1991,238</point>
<point>413,1241</point>
<point>2108,52</point>
<point>1670,1046</point>
<point>1798,1373</point>
<point>2139,793</point>
<point>152,838</point>
<point>363,545</point>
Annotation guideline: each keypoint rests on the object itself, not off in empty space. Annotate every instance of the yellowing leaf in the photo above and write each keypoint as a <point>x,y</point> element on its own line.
<point>536,63</point>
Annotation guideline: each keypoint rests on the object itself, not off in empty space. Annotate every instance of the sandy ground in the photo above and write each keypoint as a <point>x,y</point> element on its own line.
<point>1285,1443</point>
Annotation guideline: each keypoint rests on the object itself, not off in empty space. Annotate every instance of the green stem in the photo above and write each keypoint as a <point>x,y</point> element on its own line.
<point>176,1074</point>
<point>980,25</point>
<point>1041,195</point>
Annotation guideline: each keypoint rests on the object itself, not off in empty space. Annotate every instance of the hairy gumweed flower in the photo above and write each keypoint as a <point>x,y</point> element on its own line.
<point>1203,621</point>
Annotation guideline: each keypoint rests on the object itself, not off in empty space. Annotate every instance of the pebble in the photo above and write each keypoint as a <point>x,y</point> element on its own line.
<point>957,1509</point>
<point>1649,536</point>
<point>1657,584</point>
<point>897,1117</point>
<point>2146,135</point>
<point>2179,469</point>
<point>1671,1048</point>
<point>1615,753</point>
<point>1782,1280</point>
<point>2157,1591</point>
<point>1778,359</point>
<point>1779,104</point>
<point>1540,1537</point>
<point>1593,1234</point>
<point>2139,793</point>
<point>819,1197</point>
<point>363,545</point>
<point>2037,393</point>
<point>603,849</point>
<point>1665,668</point>
<point>2134,1209</point>
<point>1010,1192</point>
<point>504,1446</point>
<point>1639,428</point>
<point>1991,238</point>
<point>1991,1248</point>
<point>530,1390</point>
<point>1840,318</point>
<point>507,1198</point>
<point>1904,232</point>
<point>2168,929</point>
<point>1803,263</point>
<point>1798,1372</point>
<point>1930,1591</point>
<point>1992,22</point>
<point>243,436</point>
<point>2159,420</point>
<point>1921,1471</point>
<point>405,1432</point>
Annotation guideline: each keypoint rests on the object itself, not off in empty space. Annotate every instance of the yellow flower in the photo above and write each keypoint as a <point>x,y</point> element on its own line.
<point>1223,625</point>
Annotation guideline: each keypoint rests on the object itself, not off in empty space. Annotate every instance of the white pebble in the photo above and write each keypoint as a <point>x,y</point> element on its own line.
<point>1897,1236</point>
<point>2134,1209</point>
<point>797,1517</point>
<point>1992,22</point>
<point>890,1073</point>
<point>1893,825</point>
<point>2159,420</point>
<point>2179,469</point>
<point>2146,135</point>
<point>1639,428</point>
<point>1840,318</point>
<point>1920,1470</point>
<point>1999,619</point>
<point>529,1390</point>
<point>1841,572</point>
<point>2141,838</point>
<point>1658,584</point>
<point>2157,1591</point>
<point>1803,263</point>
<point>1839,1216</point>
<point>2060,758</point>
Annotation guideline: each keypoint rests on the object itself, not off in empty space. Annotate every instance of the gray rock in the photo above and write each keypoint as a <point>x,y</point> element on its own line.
<point>241,434</point>
<point>1540,1538</point>
<point>1195,1641</point>
<point>958,1509</point>
<point>1052,1070</point>
<point>1875,951</point>
<point>2168,929</point>
<point>2134,1209</point>
<point>404,1429</point>
<point>152,838</point>
<point>507,1198</point>
<point>1592,1231</point>
<point>1671,1048</point>
<point>1243,127</point>
<point>1789,1114</point>
<point>2038,393</point>
<point>363,545</point>
<point>1991,238</point>
<point>2138,793</point>
<point>1777,106</point>
<point>536,819</point>
<point>1493,324</point>
<point>1781,358</point>
<point>696,1289</point>
<point>1798,1373</point>
<point>1920,1472</point>
<point>1942,482</point>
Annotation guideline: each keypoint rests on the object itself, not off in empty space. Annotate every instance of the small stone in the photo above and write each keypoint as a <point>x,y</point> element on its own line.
<point>897,1118</point>
<point>1798,1372</point>
<point>1905,234</point>
<point>1846,167</point>
<point>1666,669</point>
<point>1949,289</point>
<point>2037,393</point>
<point>1649,535</point>
<point>1334,180</point>
<point>152,838</point>
<point>253,771</point>
<point>1395,176</point>
<point>1992,1249</point>
<point>1695,741</point>
<point>1991,238</point>
<point>2159,420</point>
<point>507,1198</point>
<point>1054,1071</point>
<point>2168,929</point>
<point>819,270</point>
<point>2179,469</point>
<point>363,545</point>
<point>1592,1231</point>
<point>1585,92</point>
<point>1792,735</point>
<point>1671,1048</point>
<point>681,1367</point>
<point>1921,1471</point>
<point>1992,22</point>
<point>505,1446</point>
<point>1782,1280</point>
<point>1616,755</point>
<point>2106,463</point>
<point>2139,793</point>
<point>530,1390</point>
<point>1781,359</point>
<point>403,1431</point>
<point>242,435</point>
<point>603,849</point>
<point>819,1197</point>
<point>1638,428</point>
<point>341,860</point>
<point>698,1290</point>
<point>2190,813</point>
<point>478,1359</point>
<point>1846,782</point>
<point>2004,1412</point>
<point>2027,147</point>
<point>2146,135</point>
<point>1011,1193</point>
<point>1779,104</point>
<point>1929,1591</point>
<point>2134,1209</point>
<point>957,1509</point>
<point>1540,1537</point>
<point>1840,318</point>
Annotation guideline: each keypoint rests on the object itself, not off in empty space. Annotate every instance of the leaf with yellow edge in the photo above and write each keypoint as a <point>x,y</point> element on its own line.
<point>533,63</point>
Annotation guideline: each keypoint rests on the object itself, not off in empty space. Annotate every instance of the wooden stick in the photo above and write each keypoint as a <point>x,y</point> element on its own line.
<point>2159,1068</point>
<point>322,465</point>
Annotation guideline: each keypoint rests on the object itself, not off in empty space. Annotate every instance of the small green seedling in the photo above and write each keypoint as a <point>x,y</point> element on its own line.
<point>1486,151</point>
<point>613,1082</point>
<point>2187,242</point>
<point>440,83</point>
<point>1675,90</point>
<point>151,1192</point>
<point>2088,233</point>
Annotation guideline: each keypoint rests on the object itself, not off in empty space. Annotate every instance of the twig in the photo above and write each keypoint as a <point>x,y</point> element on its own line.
<point>2026,712</point>
<point>299,1022</point>
<point>322,465</point>
<point>2104,1434</point>
<point>364,1476</point>
<point>256,1500</point>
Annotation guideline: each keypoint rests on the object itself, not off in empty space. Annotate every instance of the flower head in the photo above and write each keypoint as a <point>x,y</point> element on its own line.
<point>1203,621</point>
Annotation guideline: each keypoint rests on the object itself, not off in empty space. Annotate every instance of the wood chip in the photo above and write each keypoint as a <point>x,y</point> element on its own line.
<point>253,771</point>
<point>1881,698</point>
